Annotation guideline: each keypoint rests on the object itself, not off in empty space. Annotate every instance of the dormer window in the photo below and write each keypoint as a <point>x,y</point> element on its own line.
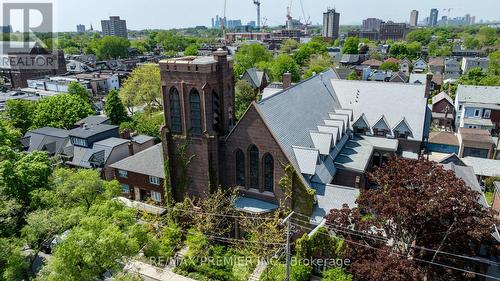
<point>402,130</point>
<point>361,125</point>
<point>79,142</point>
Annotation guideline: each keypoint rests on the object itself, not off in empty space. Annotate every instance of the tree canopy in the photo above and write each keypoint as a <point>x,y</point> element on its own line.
<point>61,111</point>
<point>283,64</point>
<point>109,47</point>
<point>114,108</point>
<point>351,46</point>
<point>418,205</point>
<point>249,56</point>
<point>142,87</point>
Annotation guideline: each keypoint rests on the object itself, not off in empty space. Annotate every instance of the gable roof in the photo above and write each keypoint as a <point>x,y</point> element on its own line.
<point>97,155</point>
<point>437,61</point>
<point>310,101</point>
<point>392,60</point>
<point>374,98</point>
<point>256,76</point>
<point>439,97</point>
<point>470,179</point>
<point>147,162</point>
<point>399,77</point>
<point>483,167</point>
<point>443,138</point>
<point>372,62</point>
<point>47,139</point>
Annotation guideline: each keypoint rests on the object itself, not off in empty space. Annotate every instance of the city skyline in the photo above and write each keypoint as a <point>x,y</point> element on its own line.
<point>174,14</point>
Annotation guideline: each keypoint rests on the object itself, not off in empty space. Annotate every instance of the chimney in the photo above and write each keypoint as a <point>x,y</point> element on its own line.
<point>428,85</point>
<point>287,80</point>
<point>126,134</point>
<point>130,149</point>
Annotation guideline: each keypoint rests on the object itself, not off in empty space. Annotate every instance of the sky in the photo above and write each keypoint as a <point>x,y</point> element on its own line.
<point>166,14</point>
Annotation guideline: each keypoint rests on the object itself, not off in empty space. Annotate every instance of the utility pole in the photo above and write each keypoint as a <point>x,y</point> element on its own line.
<point>288,256</point>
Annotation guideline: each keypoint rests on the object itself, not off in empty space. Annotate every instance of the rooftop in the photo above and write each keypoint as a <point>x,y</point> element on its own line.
<point>478,94</point>
<point>147,162</point>
<point>476,135</point>
<point>443,138</point>
<point>483,167</point>
<point>90,130</point>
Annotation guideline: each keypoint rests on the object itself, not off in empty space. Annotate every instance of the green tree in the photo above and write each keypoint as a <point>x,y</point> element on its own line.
<point>9,136</point>
<point>142,87</point>
<point>494,67</point>
<point>20,173</point>
<point>107,235</point>
<point>110,47</point>
<point>487,36</point>
<point>283,64</point>
<point>76,88</point>
<point>13,264</point>
<point>336,274</point>
<point>353,76</point>
<point>20,113</point>
<point>288,46</point>
<point>304,53</point>
<point>61,111</point>
<point>244,96</point>
<point>249,56</point>
<point>388,65</point>
<point>399,50</point>
<point>318,64</point>
<point>147,123</point>
<point>192,50</point>
<point>423,36</point>
<point>114,108</point>
<point>471,43</point>
<point>351,46</point>
<point>414,50</point>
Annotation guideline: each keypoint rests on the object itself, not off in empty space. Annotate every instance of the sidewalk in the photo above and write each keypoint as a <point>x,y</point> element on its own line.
<point>152,273</point>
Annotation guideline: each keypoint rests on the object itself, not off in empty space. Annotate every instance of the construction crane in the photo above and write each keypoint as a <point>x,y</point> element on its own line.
<point>307,19</point>
<point>257,4</point>
<point>289,11</point>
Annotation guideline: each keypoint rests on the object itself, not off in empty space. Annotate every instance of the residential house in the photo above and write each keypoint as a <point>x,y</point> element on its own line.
<point>478,107</point>
<point>372,63</point>
<point>476,143</point>
<point>442,143</point>
<point>399,77</point>
<point>469,63</point>
<point>452,68</point>
<point>380,75</point>
<point>330,132</point>
<point>423,79</point>
<point>93,120</point>
<point>51,140</point>
<point>467,174</point>
<point>419,66</point>
<point>483,168</point>
<point>459,52</point>
<point>436,65</point>
<point>404,66</point>
<point>348,59</point>
<point>98,146</point>
<point>142,175</point>
<point>443,111</point>
<point>257,78</point>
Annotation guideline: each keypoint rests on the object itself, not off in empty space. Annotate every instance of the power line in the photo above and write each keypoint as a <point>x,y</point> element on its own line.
<point>384,239</point>
<point>412,258</point>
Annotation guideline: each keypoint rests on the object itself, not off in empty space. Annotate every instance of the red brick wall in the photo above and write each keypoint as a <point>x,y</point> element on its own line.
<point>348,178</point>
<point>140,181</point>
<point>495,118</point>
<point>496,203</point>
<point>252,130</point>
<point>441,106</point>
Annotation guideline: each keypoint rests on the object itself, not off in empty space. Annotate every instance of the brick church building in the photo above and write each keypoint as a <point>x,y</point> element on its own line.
<point>330,131</point>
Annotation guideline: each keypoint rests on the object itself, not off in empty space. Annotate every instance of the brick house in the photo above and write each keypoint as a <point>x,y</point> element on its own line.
<point>330,132</point>
<point>443,111</point>
<point>141,176</point>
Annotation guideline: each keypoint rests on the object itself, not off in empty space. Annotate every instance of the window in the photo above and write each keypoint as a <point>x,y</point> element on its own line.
<point>79,142</point>
<point>216,111</point>
<point>240,168</point>
<point>156,196</point>
<point>487,113</point>
<point>268,173</point>
<point>253,152</point>
<point>154,180</point>
<point>123,174</point>
<point>194,102</point>
<point>125,188</point>
<point>460,108</point>
<point>175,111</point>
<point>477,112</point>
